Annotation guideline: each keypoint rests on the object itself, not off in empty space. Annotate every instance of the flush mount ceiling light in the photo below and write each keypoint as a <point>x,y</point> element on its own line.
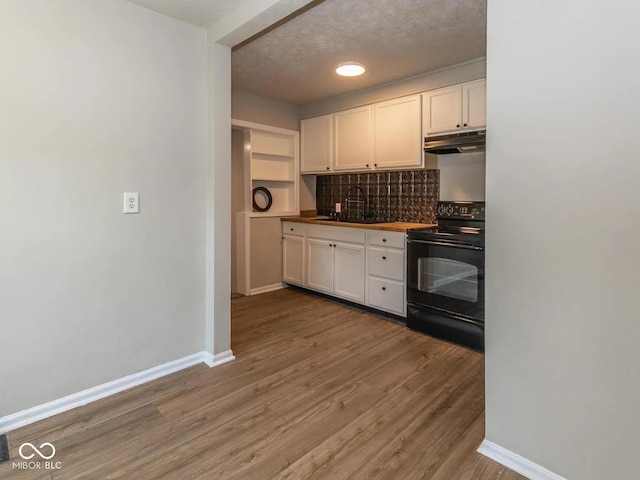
<point>350,69</point>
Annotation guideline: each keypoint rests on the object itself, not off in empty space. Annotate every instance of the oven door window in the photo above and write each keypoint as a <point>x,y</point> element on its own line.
<point>448,278</point>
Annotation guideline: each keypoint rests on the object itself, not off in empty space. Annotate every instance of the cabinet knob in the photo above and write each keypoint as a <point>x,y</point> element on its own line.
<point>384,258</point>
<point>328,168</point>
<point>465,125</point>
<point>384,239</point>
<point>367,165</point>
<point>375,164</point>
<point>292,229</point>
<point>458,126</point>
<point>384,288</point>
<point>331,244</point>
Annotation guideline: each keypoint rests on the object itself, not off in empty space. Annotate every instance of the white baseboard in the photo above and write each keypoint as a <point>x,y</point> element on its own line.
<point>46,410</point>
<point>515,462</point>
<point>266,288</point>
<point>218,358</point>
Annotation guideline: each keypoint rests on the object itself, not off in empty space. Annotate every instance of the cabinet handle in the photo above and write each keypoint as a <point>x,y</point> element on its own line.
<point>384,258</point>
<point>384,288</point>
<point>458,126</point>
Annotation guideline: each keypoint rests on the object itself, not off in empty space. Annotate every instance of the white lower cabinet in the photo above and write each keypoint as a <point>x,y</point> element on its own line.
<point>320,265</point>
<point>336,262</point>
<point>348,272</point>
<point>386,295</point>
<point>293,255</point>
<point>293,259</point>
<point>359,265</point>
<point>386,271</point>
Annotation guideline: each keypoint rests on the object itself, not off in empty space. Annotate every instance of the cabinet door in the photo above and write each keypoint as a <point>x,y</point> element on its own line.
<point>398,133</point>
<point>320,265</point>
<point>474,105</point>
<point>293,260</point>
<point>349,275</point>
<point>443,110</point>
<point>316,144</point>
<point>352,139</point>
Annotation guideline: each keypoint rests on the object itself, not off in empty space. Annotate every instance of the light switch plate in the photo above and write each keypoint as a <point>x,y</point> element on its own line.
<point>131,202</point>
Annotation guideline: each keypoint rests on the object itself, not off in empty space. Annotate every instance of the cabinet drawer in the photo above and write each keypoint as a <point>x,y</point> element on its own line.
<point>386,239</point>
<point>293,228</point>
<point>386,295</point>
<point>386,263</point>
<point>339,234</point>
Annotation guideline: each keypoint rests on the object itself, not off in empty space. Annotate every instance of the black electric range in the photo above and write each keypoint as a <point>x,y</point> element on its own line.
<point>445,275</point>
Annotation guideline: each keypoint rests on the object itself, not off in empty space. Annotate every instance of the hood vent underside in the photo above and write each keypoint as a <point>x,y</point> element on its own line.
<point>456,143</point>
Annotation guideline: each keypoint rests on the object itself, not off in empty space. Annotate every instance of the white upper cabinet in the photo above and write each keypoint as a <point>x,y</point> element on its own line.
<point>398,133</point>
<point>456,108</point>
<point>443,110</point>
<point>474,106</point>
<point>353,145</point>
<point>316,144</point>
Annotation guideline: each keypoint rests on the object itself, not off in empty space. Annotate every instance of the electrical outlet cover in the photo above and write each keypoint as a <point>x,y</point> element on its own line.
<point>131,202</point>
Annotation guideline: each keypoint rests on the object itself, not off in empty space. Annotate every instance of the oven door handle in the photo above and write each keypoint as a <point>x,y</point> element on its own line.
<point>445,244</point>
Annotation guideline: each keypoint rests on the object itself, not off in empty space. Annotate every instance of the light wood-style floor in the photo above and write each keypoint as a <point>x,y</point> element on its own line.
<point>318,391</point>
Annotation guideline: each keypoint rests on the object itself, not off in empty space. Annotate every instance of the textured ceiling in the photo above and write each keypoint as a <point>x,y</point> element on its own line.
<point>395,39</point>
<point>202,13</point>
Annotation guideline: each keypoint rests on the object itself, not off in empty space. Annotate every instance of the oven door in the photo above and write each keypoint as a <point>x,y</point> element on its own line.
<point>447,277</point>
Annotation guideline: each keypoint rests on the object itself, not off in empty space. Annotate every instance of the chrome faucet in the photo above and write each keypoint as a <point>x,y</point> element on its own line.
<point>364,202</point>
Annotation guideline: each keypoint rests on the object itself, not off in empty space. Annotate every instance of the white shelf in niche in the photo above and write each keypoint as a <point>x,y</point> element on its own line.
<point>268,143</point>
<point>275,168</point>
<point>282,193</point>
<point>271,161</point>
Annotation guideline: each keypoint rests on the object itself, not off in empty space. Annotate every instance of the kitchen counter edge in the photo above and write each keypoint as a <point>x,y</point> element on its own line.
<point>389,227</point>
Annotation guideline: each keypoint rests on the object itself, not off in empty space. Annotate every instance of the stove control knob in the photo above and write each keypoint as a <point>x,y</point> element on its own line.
<point>450,210</point>
<point>441,210</point>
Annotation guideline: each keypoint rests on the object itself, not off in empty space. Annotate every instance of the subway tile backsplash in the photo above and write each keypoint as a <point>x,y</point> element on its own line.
<point>409,196</point>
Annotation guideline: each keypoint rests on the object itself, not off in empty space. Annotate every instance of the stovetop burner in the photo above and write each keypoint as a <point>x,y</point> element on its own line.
<point>458,222</point>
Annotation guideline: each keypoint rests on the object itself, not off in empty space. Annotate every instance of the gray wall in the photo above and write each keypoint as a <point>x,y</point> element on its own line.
<point>237,199</point>
<point>562,297</point>
<point>97,99</point>
<point>265,251</point>
<point>252,108</point>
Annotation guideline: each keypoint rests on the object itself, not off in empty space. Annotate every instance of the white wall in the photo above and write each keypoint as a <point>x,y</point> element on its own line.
<point>562,313</point>
<point>98,98</point>
<point>462,176</point>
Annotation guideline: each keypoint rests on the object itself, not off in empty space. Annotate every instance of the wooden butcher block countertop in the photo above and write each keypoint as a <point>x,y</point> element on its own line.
<point>389,227</point>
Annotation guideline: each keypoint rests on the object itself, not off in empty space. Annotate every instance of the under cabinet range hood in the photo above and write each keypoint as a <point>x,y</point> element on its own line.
<point>456,143</point>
